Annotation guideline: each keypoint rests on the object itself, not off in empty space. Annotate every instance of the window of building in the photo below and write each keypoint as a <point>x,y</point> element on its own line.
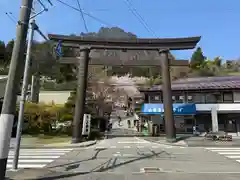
<point>213,98</point>
<point>228,97</point>
<point>155,98</point>
<point>198,98</point>
<point>189,99</point>
<point>178,99</point>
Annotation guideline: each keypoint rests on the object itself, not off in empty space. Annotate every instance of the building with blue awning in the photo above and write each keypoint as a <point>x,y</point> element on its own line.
<point>178,109</point>
<point>210,103</point>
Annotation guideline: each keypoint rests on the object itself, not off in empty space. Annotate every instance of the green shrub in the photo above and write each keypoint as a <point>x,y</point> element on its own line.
<point>66,117</point>
<point>41,117</point>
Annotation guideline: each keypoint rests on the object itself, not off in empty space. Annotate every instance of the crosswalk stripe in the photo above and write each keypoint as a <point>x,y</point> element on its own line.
<point>32,160</point>
<point>42,150</point>
<point>47,149</point>
<point>37,153</point>
<point>231,153</point>
<point>218,148</point>
<point>233,157</point>
<point>226,150</point>
<point>21,166</point>
<point>228,153</point>
<point>36,158</point>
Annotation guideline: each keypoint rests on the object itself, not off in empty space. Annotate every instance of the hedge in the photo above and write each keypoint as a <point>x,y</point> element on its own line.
<point>40,118</point>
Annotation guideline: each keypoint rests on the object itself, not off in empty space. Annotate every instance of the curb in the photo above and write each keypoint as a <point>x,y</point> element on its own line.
<point>166,143</point>
<point>170,144</point>
<point>216,145</point>
<point>55,146</point>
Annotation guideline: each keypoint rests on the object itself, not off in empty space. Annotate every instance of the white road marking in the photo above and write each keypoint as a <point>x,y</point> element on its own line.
<point>46,149</point>
<point>222,153</point>
<point>233,157</point>
<point>127,155</point>
<point>21,166</point>
<point>116,154</point>
<point>219,148</point>
<point>113,147</point>
<point>140,147</point>
<point>32,160</point>
<point>100,147</point>
<point>37,153</point>
<point>133,142</point>
<point>226,150</point>
<point>231,153</point>
<point>127,147</point>
<point>35,158</point>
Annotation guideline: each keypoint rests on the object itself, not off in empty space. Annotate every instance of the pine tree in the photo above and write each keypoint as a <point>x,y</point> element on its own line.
<point>197,59</point>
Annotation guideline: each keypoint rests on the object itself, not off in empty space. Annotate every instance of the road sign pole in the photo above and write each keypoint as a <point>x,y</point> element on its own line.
<point>10,97</point>
<point>23,95</point>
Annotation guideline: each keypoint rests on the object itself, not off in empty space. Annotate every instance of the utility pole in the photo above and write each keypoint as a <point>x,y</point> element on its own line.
<point>23,95</point>
<point>10,97</point>
<point>33,27</point>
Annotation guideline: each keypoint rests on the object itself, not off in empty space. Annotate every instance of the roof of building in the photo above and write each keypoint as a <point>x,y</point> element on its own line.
<point>227,82</point>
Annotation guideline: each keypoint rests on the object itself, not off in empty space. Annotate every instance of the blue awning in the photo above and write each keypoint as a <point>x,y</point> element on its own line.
<point>178,109</point>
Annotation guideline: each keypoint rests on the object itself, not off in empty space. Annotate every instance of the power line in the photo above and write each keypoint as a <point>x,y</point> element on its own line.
<point>139,17</point>
<point>10,16</point>
<point>81,12</point>
<point>89,15</point>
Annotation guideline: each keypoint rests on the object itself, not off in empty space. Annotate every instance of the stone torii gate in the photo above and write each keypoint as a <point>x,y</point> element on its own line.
<point>95,51</point>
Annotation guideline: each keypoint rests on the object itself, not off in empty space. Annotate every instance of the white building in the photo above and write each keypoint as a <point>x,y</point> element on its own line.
<point>216,101</point>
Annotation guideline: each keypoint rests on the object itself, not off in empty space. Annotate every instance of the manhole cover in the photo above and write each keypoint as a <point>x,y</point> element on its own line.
<point>151,170</point>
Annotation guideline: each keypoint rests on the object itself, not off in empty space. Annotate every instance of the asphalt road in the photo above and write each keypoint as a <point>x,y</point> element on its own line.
<point>135,158</point>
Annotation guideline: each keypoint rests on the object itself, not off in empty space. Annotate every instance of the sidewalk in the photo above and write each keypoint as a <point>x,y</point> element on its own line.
<point>195,141</point>
<point>55,145</point>
<point>43,173</point>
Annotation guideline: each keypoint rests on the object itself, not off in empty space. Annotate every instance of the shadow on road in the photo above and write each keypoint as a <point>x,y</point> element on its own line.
<point>104,166</point>
<point>74,165</point>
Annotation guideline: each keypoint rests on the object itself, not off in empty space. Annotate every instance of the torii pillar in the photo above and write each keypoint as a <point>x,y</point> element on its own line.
<point>81,94</point>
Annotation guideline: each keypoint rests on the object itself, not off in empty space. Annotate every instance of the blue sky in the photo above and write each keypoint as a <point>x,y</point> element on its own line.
<point>216,21</point>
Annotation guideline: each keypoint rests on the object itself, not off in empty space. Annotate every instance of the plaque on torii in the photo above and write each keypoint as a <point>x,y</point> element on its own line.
<point>123,58</point>
<point>95,51</point>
